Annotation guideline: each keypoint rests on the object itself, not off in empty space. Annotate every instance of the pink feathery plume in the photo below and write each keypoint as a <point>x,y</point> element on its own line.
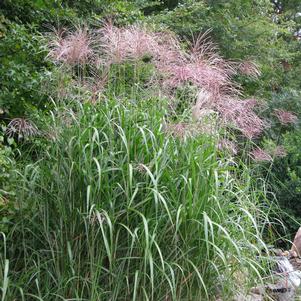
<point>241,115</point>
<point>232,112</point>
<point>285,117</point>
<point>279,151</point>
<point>140,42</point>
<point>258,154</point>
<point>111,43</point>
<point>201,66</point>
<point>125,44</point>
<point>211,67</point>
<point>71,48</point>
<point>228,145</point>
<point>249,68</point>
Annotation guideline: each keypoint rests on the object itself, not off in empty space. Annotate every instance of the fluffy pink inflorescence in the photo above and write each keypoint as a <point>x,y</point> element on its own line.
<point>127,43</point>
<point>258,154</point>
<point>240,114</point>
<point>199,66</point>
<point>232,111</point>
<point>279,151</point>
<point>286,117</point>
<point>228,145</point>
<point>199,73</point>
<point>21,126</point>
<point>71,48</point>
<point>249,68</point>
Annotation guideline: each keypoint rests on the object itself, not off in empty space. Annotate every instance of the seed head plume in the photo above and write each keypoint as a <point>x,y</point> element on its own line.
<point>140,42</point>
<point>232,111</point>
<point>240,114</point>
<point>285,117</point>
<point>202,46</point>
<point>202,67</point>
<point>210,70</point>
<point>249,68</point>
<point>71,47</point>
<point>111,44</point>
<point>123,44</point>
<point>21,127</point>
<point>167,50</point>
<point>228,145</point>
<point>258,154</point>
<point>205,103</point>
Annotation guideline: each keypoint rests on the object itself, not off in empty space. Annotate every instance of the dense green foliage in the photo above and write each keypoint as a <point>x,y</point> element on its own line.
<point>7,165</point>
<point>23,71</point>
<point>283,173</point>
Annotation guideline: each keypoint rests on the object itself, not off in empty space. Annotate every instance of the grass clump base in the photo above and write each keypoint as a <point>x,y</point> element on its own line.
<point>114,208</point>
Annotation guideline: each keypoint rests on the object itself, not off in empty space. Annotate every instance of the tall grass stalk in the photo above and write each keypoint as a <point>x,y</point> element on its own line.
<point>116,209</point>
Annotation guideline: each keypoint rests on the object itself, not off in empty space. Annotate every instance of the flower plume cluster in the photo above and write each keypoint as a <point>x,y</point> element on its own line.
<point>285,117</point>
<point>131,43</point>
<point>22,128</point>
<point>198,65</point>
<point>258,154</point>
<point>249,68</point>
<point>71,47</point>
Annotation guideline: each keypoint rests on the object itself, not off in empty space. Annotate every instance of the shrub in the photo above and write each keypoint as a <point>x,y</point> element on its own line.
<point>282,172</point>
<point>285,179</point>
<point>7,188</point>
<point>23,71</point>
<point>6,165</point>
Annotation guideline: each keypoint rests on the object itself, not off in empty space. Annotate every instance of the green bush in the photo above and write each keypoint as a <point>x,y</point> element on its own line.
<point>6,166</point>
<point>285,179</point>
<point>23,71</point>
<point>7,181</point>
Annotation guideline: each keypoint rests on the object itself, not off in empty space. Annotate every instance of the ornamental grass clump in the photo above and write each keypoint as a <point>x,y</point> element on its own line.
<point>116,209</point>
